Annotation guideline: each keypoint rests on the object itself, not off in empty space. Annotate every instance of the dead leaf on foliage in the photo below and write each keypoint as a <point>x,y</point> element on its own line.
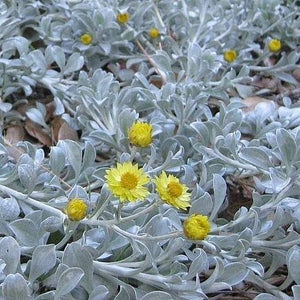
<point>14,134</point>
<point>61,130</point>
<point>66,132</point>
<point>50,111</point>
<point>55,126</point>
<point>37,132</point>
<point>271,83</point>
<point>251,103</point>
<point>296,74</point>
<point>157,82</point>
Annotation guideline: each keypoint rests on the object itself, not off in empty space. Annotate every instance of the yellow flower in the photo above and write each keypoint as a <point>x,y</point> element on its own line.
<point>123,18</point>
<point>86,39</point>
<point>172,191</point>
<point>76,209</point>
<point>230,55</point>
<point>126,182</point>
<point>154,33</point>
<point>274,45</point>
<point>196,227</point>
<point>140,134</point>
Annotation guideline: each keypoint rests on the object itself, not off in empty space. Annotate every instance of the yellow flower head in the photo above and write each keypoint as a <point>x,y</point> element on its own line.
<point>76,209</point>
<point>274,45</point>
<point>196,227</point>
<point>126,181</point>
<point>154,33</point>
<point>86,39</point>
<point>123,18</point>
<point>230,55</point>
<point>140,134</point>
<point>172,191</point>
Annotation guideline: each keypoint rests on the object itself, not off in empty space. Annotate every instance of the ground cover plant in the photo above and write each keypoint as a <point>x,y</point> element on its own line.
<point>149,149</point>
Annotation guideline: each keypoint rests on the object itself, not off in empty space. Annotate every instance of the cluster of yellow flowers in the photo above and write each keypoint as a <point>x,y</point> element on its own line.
<point>274,46</point>
<point>122,18</point>
<point>128,183</point>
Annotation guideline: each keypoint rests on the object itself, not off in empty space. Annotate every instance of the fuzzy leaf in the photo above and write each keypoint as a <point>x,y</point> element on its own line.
<point>59,56</point>
<point>26,232</point>
<point>75,63</point>
<point>15,287</point>
<point>73,154</point>
<point>27,176</point>
<point>77,256</point>
<point>293,262</point>
<point>265,296</point>
<point>67,281</point>
<point>220,187</point>
<point>57,160</point>
<point>157,295</point>
<point>9,208</point>
<point>10,253</point>
<point>88,156</point>
<point>99,293</point>
<point>43,260</point>
<point>234,273</point>
<point>287,146</point>
<point>256,157</point>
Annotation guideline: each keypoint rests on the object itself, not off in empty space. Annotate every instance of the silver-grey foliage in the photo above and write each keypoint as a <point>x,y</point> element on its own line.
<point>138,251</point>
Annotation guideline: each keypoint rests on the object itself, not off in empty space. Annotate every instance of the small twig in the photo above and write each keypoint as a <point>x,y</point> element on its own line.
<point>162,24</point>
<point>8,143</point>
<point>152,62</point>
<point>145,236</point>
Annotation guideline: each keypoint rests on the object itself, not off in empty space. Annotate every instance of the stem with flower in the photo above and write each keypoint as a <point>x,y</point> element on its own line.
<point>94,222</point>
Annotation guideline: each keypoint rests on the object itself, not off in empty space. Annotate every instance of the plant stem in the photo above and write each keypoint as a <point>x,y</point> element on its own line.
<point>30,201</point>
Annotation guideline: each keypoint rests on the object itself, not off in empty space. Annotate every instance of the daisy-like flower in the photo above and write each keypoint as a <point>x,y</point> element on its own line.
<point>76,209</point>
<point>154,33</point>
<point>126,181</point>
<point>86,39</point>
<point>123,18</point>
<point>172,191</point>
<point>274,45</point>
<point>230,55</point>
<point>140,134</point>
<point>196,227</point>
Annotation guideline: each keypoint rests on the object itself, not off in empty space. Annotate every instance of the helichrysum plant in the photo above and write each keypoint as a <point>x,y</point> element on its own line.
<point>86,39</point>
<point>76,209</point>
<point>141,134</point>
<point>274,45</point>
<point>123,17</point>
<point>127,182</point>
<point>154,33</point>
<point>196,227</point>
<point>230,55</point>
<point>172,191</point>
<point>149,155</point>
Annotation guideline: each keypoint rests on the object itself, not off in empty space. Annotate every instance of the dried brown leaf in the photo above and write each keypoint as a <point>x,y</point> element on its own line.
<point>55,126</point>
<point>14,134</point>
<point>251,102</point>
<point>66,132</point>
<point>37,132</point>
<point>61,130</point>
<point>296,74</point>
